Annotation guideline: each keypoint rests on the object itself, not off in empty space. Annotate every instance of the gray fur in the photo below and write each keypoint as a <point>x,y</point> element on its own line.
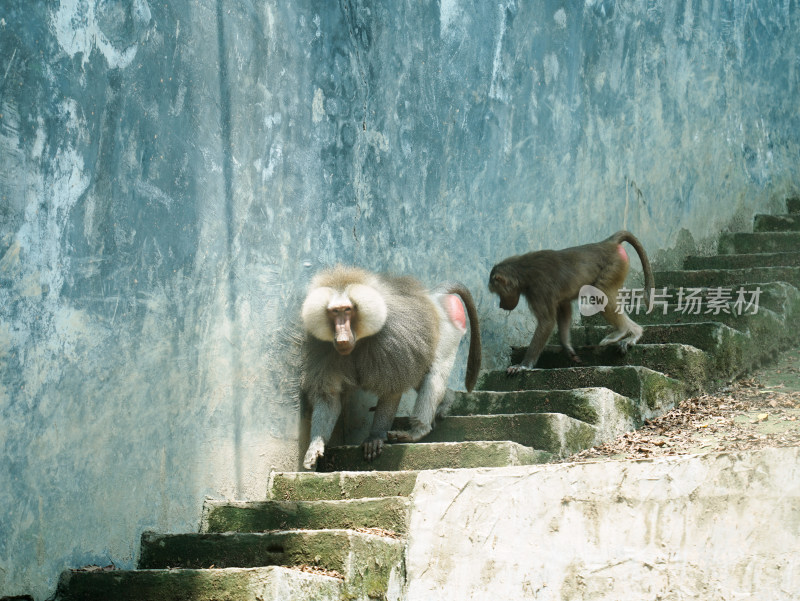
<point>400,356</point>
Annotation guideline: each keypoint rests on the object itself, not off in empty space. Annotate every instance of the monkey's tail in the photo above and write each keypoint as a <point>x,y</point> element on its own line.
<point>625,236</point>
<point>474,356</point>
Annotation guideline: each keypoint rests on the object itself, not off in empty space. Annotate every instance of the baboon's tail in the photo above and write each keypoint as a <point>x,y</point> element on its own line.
<point>474,356</point>
<point>625,236</point>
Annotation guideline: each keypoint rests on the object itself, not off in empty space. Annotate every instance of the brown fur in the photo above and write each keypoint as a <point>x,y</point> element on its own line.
<point>551,279</point>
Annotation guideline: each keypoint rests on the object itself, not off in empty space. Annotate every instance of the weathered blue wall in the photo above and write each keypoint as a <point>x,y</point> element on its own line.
<point>173,173</point>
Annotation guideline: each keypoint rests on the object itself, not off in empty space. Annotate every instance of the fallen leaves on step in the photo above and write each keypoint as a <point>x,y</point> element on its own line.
<point>378,532</point>
<point>309,569</point>
<point>743,416</point>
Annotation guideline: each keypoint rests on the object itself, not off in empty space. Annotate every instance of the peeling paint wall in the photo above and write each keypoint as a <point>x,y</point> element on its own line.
<point>172,173</point>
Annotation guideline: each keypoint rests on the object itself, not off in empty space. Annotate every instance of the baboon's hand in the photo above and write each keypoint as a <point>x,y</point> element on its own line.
<point>372,448</point>
<point>515,369</point>
<point>315,450</point>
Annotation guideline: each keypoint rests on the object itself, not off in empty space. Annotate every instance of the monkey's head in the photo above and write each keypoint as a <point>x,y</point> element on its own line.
<point>505,287</point>
<point>344,316</point>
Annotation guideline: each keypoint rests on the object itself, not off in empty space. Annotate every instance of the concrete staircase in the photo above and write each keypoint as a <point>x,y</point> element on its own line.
<point>339,533</point>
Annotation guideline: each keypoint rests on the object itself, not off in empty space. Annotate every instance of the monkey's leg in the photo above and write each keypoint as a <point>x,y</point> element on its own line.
<point>325,412</point>
<point>429,396</point>
<point>381,422</point>
<point>544,327</point>
<point>627,331</point>
<point>433,388</point>
<point>564,324</point>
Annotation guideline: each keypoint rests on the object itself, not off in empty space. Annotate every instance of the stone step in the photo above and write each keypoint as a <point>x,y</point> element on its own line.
<point>677,314</point>
<point>671,303</point>
<point>360,558</point>
<point>584,404</point>
<point>314,486</point>
<point>555,433</point>
<point>776,223</point>
<point>760,242</point>
<point>729,279</point>
<point>779,259</point>
<point>610,413</point>
<point>271,583</point>
<point>680,361</point>
<point>780,297</point>
<point>725,346</point>
<point>386,513</point>
<point>432,456</point>
<point>793,205</point>
<point>655,391</point>
<point>771,330</point>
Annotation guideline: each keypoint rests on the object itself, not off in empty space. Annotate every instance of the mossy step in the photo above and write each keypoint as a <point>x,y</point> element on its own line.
<point>432,456</point>
<point>365,561</point>
<point>731,280</point>
<point>671,303</point>
<point>706,336</point>
<point>679,361</point>
<point>655,391</point>
<point>793,205</point>
<point>768,329</point>
<point>725,346</point>
<point>387,513</point>
<point>781,297</point>
<point>581,403</point>
<point>759,242</point>
<point>676,314</point>
<point>781,259</point>
<point>776,223</point>
<point>610,413</point>
<point>313,486</point>
<point>555,433</point>
<point>271,583</point>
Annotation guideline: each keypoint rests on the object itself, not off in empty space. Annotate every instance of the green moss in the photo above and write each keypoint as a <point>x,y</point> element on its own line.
<point>576,404</point>
<point>194,585</point>
<point>431,456</point>
<point>628,408</point>
<point>776,223</point>
<point>712,278</point>
<point>313,486</point>
<point>741,243</point>
<point>389,513</point>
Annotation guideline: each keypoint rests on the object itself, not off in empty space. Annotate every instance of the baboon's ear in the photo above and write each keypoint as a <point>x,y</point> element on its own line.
<point>500,279</point>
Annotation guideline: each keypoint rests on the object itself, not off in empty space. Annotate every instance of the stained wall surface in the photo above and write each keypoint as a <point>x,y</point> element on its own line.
<point>172,173</point>
<point>713,526</point>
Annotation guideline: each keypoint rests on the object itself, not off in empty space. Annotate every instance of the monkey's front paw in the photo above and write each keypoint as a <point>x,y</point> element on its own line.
<point>417,432</point>
<point>315,450</point>
<point>516,369</point>
<point>372,448</point>
<point>399,436</point>
<point>407,435</point>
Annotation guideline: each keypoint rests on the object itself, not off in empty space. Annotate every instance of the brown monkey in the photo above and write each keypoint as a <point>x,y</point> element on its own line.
<point>550,279</point>
<point>384,335</point>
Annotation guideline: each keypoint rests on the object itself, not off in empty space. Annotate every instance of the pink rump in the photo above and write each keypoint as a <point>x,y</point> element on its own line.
<point>455,310</point>
<point>622,253</point>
